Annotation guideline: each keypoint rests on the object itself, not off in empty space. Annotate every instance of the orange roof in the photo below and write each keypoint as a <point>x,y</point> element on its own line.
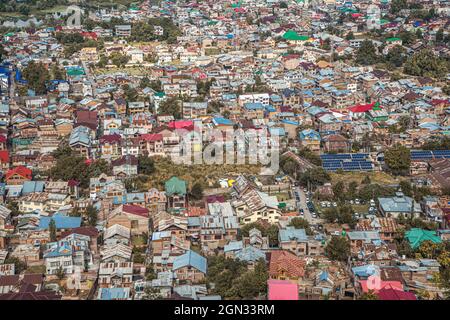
<point>284,262</point>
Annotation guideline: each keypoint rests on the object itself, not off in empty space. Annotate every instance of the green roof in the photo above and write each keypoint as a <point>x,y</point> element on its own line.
<point>75,72</point>
<point>175,186</point>
<point>416,236</point>
<point>294,36</point>
<point>393,39</point>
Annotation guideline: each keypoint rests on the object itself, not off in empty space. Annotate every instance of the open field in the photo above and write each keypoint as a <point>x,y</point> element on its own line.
<point>375,177</point>
<point>208,175</point>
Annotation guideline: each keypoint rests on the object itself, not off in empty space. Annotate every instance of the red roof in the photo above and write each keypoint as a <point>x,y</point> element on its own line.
<point>110,138</point>
<point>2,138</point>
<point>361,108</point>
<point>21,171</point>
<point>4,156</point>
<point>151,137</point>
<point>91,232</point>
<point>184,124</point>
<point>136,210</point>
<point>389,293</point>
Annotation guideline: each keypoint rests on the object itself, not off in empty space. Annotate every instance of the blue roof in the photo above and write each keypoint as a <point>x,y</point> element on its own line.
<point>222,121</point>
<point>62,222</point>
<point>190,259</point>
<point>365,271</point>
<point>290,233</point>
<point>254,106</point>
<point>233,246</point>
<point>114,293</point>
<point>33,186</point>
<point>309,134</point>
<point>250,253</point>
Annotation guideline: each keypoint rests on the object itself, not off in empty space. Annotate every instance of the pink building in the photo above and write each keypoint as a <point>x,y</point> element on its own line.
<point>282,290</point>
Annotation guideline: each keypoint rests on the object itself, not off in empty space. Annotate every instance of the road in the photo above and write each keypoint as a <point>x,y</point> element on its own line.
<point>302,205</point>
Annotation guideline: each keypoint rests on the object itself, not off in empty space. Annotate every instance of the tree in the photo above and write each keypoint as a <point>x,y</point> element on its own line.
<point>316,177</point>
<point>338,249</point>
<point>60,273</point>
<point>398,5</point>
<point>352,189</point>
<point>439,35</point>
<point>146,165</point>
<point>2,53</point>
<point>370,295</point>
<point>425,64</point>
<point>19,265</point>
<point>36,75</point>
<point>119,60</point>
<point>367,53</point>
<point>92,215</point>
<point>151,293</point>
<point>300,223</point>
<point>406,187</point>
<point>396,56</point>
<point>398,159</point>
<point>52,230</point>
<point>338,190</point>
<point>350,36</point>
<point>170,106</point>
<point>197,191</point>
<point>283,5</point>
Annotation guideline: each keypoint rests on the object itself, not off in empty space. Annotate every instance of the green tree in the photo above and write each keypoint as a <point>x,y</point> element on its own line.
<point>300,223</point>
<point>350,36</point>
<point>425,64</point>
<point>171,106</point>
<point>146,165</point>
<point>60,273</point>
<point>92,215</point>
<point>398,159</point>
<point>406,188</point>
<point>339,190</point>
<point>37,76</point>
<point>396,56</point>
<point>197,191</point>
<point>440,35</point>
<point>367,53</point>
<point>338,249</point>
<point>315,177</point>
<point>52,230</point>
<point>19,265</point>
<point>370,295</point>
<point>398,5</point>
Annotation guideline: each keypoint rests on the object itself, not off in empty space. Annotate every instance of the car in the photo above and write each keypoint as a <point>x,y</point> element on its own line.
<point>302,213</point>
<point>356,201</point>
<point>334,204</point>
<point>322,204</point>
<point>351,202</point>
<point>314,215</point>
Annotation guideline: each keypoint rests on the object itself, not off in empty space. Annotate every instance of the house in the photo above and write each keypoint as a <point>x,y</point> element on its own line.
<point>190,267</point>
<point>359,238</point>
<point>5,217</point>
<point>125,166</point>
<point>117,234</point>
<point>12,283</point>
<point>416,237</point>
<point>399,205</point>
<point>18,175</point>
<point>336,143</point>
<point>176,193</point>
<point>115,275</point>
<point>134,217</point>
<point>310,139</point>
<point>284,265</point>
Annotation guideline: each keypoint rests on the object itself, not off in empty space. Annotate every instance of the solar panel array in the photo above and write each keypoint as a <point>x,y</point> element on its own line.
<point>347,162</point>
<point>429,154</point>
